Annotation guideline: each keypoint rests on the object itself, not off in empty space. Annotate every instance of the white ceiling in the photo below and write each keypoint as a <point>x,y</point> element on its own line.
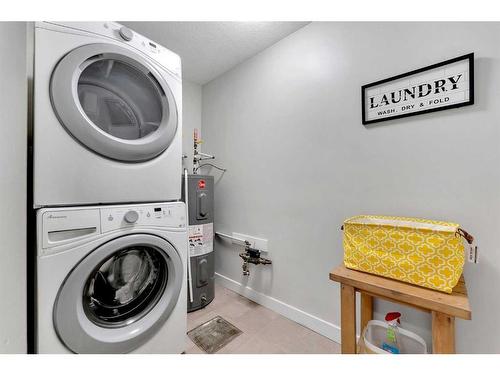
<point>208,49</point>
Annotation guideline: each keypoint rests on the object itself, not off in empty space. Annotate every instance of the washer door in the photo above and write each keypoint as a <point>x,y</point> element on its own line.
<point>114,102</point>
<point>119,295</point>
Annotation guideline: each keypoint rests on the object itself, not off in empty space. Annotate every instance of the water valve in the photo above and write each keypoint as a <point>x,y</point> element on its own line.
<point>252,256</point>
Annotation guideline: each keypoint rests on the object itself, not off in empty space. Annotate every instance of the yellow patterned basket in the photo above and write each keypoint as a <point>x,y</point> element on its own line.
<point>418,251</point>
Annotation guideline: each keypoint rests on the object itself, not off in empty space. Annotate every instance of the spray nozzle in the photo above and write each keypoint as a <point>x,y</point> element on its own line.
<point>393,316</point>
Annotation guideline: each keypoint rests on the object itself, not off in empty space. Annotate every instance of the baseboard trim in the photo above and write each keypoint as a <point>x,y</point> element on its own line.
<point>310,321</point>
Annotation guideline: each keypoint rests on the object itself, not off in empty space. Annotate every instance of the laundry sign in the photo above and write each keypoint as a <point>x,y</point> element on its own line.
<point>448,84</point>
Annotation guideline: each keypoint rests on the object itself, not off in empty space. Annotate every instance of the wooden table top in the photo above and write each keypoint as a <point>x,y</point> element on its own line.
<point>454,304</point>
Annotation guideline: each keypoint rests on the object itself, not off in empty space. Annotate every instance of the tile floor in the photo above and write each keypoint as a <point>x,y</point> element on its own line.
<point>264,331</point>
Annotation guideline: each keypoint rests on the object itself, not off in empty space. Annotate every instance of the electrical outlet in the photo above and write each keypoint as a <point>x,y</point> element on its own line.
<point>255,242</point>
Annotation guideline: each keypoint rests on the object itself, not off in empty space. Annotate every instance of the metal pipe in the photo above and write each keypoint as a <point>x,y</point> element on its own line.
<point>186,198</point>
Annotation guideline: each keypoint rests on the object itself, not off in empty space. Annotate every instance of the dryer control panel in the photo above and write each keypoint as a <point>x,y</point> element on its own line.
<point>113,30</point>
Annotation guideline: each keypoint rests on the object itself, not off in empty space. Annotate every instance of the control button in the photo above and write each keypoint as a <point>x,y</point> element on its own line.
<point>131,216</point>
<point>110,218</point>
<point>148,214</point>
<point>126,33</point>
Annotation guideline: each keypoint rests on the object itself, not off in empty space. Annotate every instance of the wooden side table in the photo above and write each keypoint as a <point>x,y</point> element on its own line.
<point>443,307</point>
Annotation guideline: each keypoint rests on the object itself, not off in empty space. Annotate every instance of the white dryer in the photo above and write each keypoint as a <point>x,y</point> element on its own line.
<point>111,279</point>
<point>107,116</point>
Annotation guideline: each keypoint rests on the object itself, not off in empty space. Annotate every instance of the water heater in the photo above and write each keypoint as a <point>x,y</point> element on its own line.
<point>200,201</point>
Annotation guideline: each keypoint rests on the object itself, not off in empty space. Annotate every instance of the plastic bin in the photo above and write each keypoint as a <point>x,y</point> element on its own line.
<point>375,332</point>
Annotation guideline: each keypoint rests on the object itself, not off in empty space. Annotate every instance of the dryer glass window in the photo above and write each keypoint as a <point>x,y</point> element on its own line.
<point>120,99</point>
<point>125,286</point>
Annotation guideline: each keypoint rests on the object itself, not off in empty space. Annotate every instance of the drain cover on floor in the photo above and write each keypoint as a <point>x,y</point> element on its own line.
<point>213,335</point>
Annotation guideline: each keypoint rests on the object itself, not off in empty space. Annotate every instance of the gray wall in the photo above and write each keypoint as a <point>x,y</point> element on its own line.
<point>13,128</point>
<point>287,125</point>
<point>191,119</point>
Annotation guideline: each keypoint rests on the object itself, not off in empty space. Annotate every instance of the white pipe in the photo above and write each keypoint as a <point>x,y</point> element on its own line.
<point>242,242</point>
<point>190,281</point>
<point>206,155</point>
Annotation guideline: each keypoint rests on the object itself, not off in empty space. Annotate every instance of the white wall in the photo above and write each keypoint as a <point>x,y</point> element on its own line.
<point>13,128</point>
<point>287,125</point>
<point>191,119</point>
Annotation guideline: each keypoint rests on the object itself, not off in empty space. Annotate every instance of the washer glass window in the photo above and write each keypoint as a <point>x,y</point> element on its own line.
<point>125,286</point>
<point>119,294</point>
<point>120,99</point>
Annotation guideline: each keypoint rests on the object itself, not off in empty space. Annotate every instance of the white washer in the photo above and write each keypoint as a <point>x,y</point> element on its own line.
<point>111,279</point>
<point>107,116</point>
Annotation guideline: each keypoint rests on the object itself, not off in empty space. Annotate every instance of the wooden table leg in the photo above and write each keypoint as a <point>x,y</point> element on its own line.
<point>366,310</point>
<point>348,319</point>
<point>443,333</point>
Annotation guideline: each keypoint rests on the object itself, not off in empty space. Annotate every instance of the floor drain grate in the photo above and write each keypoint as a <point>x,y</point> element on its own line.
<point>213,335</point>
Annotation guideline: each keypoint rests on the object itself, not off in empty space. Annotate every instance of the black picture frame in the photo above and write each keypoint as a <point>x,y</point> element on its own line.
<point>469,57</point>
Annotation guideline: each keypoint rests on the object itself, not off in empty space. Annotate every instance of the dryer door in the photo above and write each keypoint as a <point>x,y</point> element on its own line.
<point>119,295</point>
<point>114,102</point>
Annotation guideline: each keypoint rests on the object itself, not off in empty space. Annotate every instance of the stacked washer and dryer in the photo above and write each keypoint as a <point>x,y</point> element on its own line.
<point>111,232</point>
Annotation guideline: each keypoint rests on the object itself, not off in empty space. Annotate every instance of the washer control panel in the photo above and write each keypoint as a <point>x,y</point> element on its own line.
<point>171,215</point>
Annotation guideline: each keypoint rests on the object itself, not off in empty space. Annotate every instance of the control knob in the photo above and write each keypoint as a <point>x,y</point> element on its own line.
<point>131,216</point>
<point>126,33</point>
